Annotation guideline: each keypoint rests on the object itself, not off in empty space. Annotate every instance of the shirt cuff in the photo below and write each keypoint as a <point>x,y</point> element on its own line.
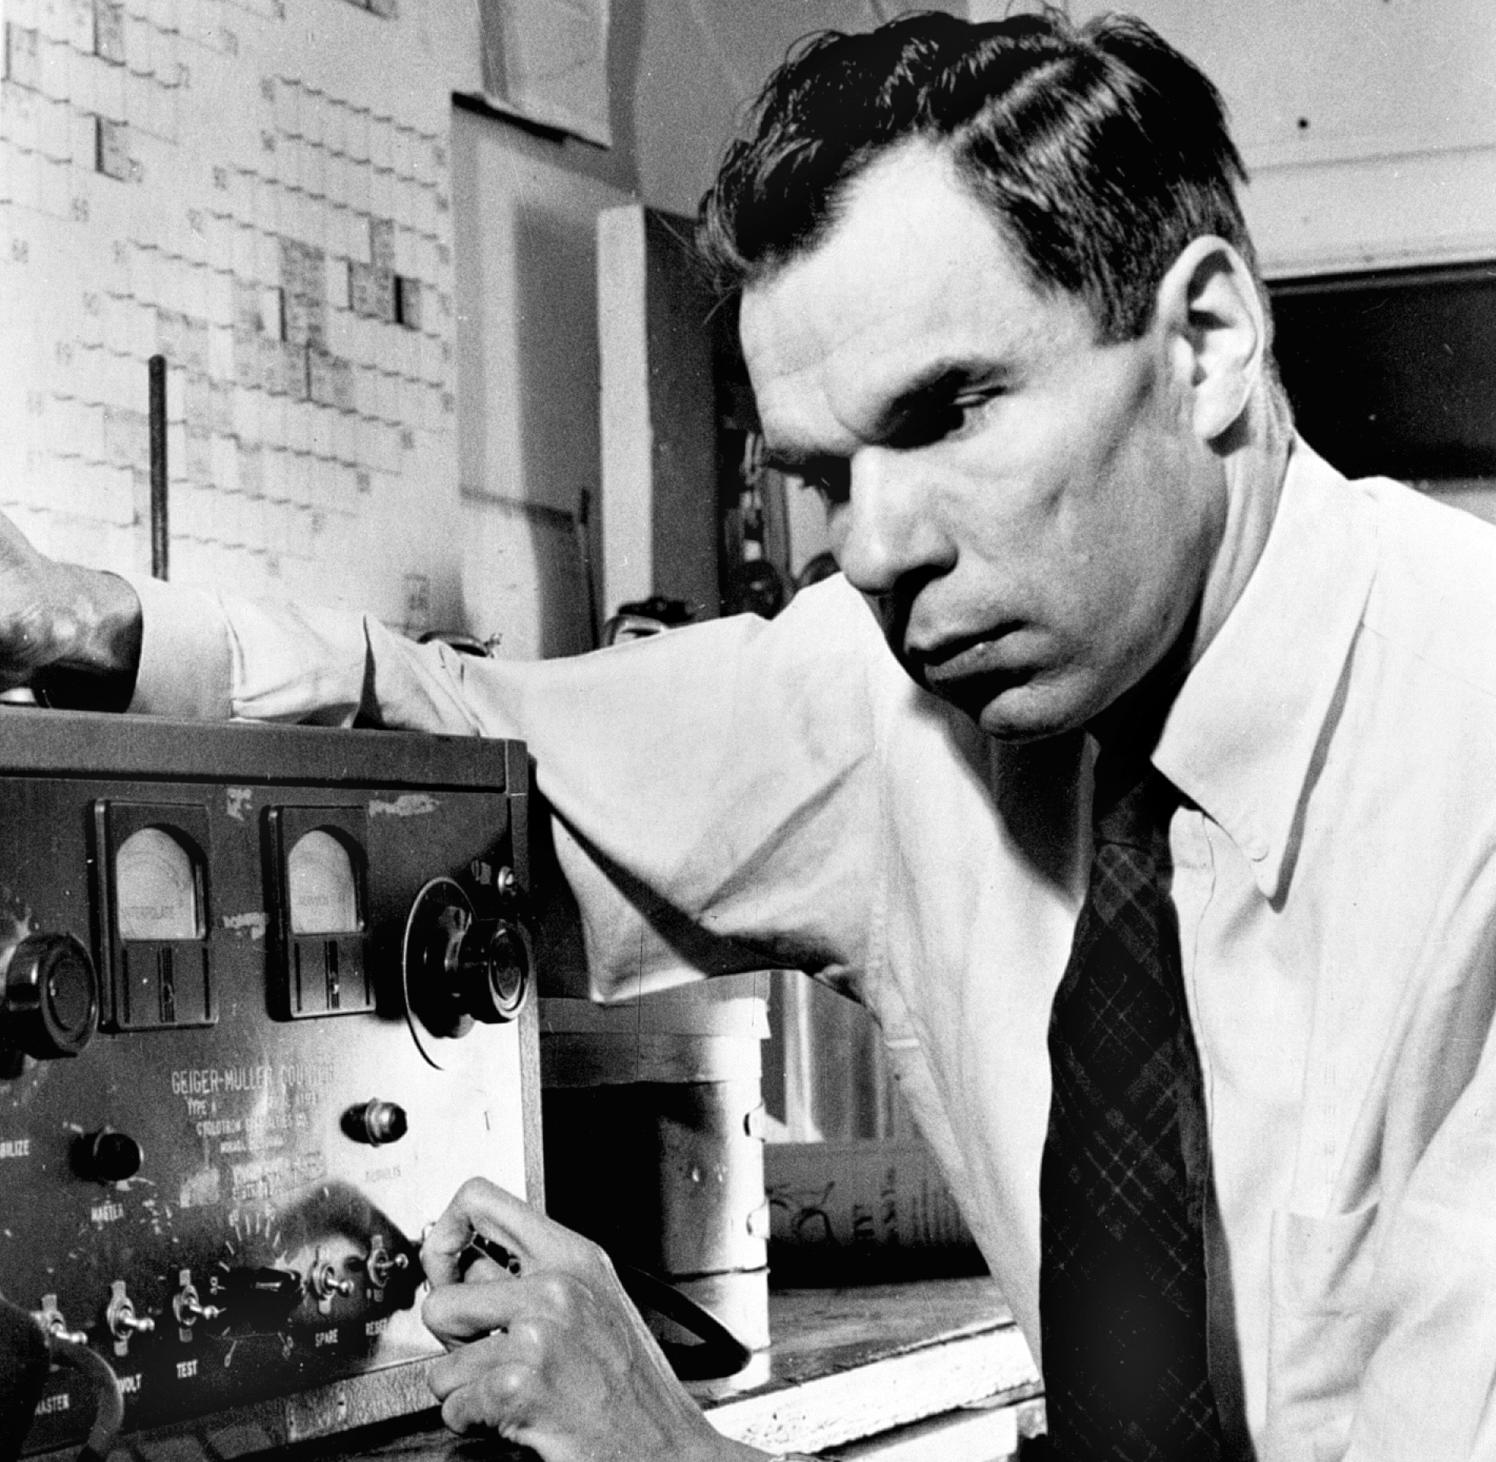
<point>186,667</point>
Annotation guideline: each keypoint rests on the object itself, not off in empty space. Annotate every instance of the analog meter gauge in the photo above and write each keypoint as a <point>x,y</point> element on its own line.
<point>153,871</point>
<point>156,888</point>
<point>320,910</point>
<point>321,888</point>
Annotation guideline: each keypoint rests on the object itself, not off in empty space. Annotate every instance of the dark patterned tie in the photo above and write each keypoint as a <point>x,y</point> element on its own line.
<point>1125,1170</point>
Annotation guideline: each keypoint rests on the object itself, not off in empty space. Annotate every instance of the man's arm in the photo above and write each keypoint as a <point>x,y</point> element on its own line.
<point>73,633</point>
<point>714,789</point>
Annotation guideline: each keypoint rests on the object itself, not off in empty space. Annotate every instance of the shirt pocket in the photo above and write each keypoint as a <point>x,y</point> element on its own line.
<point>1319,1331</point>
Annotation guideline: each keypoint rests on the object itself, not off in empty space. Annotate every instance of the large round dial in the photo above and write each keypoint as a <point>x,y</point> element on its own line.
<point>460,968</point>
<point>50,996</point>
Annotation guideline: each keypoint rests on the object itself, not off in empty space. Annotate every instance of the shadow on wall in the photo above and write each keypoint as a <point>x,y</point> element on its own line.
<point>556,337</point>
<point>528,384</point>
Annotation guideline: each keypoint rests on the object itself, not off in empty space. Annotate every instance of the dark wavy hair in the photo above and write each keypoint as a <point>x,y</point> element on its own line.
<point>1100,150</point>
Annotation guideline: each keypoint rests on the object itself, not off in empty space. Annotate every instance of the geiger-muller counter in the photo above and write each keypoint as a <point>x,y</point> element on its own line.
<point>263,1009</point>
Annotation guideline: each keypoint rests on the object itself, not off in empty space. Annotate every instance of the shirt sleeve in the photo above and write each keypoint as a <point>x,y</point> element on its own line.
<point>713,788</point>
<point>1428,1385</point>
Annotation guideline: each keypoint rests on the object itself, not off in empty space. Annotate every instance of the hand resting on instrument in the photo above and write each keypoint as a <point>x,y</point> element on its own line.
<point>555,1356</point>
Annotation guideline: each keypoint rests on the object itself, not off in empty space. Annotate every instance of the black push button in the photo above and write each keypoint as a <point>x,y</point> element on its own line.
<point>108,1156</point>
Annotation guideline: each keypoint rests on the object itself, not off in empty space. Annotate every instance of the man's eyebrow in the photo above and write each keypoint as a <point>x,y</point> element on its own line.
<point>932,386</point>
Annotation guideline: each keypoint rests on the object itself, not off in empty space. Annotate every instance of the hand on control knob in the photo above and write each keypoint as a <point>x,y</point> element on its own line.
<point>556,1358</point>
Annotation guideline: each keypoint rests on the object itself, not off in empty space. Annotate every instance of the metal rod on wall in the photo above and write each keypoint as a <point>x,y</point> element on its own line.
<point>160,532</point>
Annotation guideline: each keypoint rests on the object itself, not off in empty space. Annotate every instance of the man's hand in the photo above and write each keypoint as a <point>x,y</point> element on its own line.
<point>58,620</point>
<point>555,1358</point>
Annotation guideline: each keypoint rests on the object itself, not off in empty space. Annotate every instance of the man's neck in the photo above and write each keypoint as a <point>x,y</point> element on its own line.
<point>1255,467</point>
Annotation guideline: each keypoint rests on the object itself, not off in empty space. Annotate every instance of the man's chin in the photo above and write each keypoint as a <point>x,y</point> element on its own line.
<point>1004,722</point>
<point>1008,705</point>
<point>1028,710</point>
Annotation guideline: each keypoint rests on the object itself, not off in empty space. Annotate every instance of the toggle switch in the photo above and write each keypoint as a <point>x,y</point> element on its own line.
<point>382,1265</point>
<point>51,1319</point>
<point>121,1319</point>
<point>188,1307</point>
<point>326,1285</point>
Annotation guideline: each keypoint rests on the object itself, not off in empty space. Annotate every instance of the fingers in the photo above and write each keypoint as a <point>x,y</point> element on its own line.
<point>551,1299</point>
<point>515,1336</point>
<point>484,1271</point>
<point>493,1398</point>
<point>555,1357</point>
<point>482,1208</point>
<point>482,1384</point>
<point>515,1385</point>
<point>557,1367</point>
<point>574,1378</point>
<point>459,1313</point>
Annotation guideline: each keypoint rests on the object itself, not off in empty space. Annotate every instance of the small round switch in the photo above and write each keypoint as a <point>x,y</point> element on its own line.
<point>108,1156</point>
<point>50,996</point>
<point>376,1122</point>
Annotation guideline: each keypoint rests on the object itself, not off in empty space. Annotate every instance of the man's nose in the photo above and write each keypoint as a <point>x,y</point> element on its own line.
<point>888,528</point>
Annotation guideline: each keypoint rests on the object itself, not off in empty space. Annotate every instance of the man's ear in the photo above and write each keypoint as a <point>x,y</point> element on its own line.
<point>1213,317</point>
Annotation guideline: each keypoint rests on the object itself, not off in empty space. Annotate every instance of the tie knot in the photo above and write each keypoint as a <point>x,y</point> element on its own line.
<point>1133,801</point>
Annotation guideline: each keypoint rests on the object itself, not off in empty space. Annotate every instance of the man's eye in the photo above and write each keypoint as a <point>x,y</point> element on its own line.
<point>936,420</point>
<point>975,403</point>
<point>831,481</point>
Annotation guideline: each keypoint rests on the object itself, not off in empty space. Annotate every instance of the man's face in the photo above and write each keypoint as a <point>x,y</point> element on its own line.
<point>1029,511</point>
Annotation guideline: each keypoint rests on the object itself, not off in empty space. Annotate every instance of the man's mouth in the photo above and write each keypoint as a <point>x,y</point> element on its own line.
<point>971,657</point>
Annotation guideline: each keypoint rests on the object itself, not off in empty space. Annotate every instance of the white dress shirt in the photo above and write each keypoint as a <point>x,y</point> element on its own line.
<point>746,794</point>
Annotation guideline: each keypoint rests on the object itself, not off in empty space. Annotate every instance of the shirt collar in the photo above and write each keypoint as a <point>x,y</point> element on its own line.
<point>1241,735</point>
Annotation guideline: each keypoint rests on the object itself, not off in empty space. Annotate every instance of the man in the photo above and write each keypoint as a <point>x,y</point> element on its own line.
<point>999,308</point>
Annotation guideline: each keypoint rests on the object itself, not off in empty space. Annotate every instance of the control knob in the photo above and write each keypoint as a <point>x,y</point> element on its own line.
<point>250,1300</point>
<point>460,968</point>
<point>50,997</point>
<point>376,1122</point>
<point>107,1156</point>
